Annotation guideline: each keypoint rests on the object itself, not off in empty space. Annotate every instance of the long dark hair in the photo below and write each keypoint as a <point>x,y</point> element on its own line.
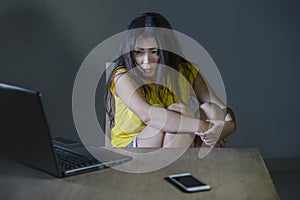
<point>147,24</point>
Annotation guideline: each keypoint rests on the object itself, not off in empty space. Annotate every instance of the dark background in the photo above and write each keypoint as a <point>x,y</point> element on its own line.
<point>255,45</point>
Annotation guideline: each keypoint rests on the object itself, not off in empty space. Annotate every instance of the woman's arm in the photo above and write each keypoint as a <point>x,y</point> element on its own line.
<point>230,123</point>
<point>205,94</point>
<point>156,117</point>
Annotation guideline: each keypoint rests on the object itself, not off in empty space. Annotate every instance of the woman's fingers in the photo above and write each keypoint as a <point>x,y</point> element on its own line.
<point>211,141</point>
<point>207,139</point>
<point>211,137</point>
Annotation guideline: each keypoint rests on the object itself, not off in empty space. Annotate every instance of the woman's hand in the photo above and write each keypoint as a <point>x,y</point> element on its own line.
<point>220,126</point>
<point>212,135</point>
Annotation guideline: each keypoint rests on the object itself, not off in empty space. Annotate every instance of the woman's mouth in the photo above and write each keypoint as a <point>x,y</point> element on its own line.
<point>147,70</point>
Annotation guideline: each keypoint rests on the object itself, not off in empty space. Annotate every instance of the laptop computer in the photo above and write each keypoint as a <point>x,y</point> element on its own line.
<point>25,136</point>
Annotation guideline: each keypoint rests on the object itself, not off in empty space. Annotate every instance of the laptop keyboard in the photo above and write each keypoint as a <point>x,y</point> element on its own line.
<point>68,160</point>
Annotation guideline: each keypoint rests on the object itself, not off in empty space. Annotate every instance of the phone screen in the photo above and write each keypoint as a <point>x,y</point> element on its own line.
<point>189,181</point>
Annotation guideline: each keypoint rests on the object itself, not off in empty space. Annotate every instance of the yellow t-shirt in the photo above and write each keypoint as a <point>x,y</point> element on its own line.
<point>127,124</point>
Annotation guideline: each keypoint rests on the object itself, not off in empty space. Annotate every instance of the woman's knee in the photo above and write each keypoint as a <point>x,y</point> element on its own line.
<point>209,110</point>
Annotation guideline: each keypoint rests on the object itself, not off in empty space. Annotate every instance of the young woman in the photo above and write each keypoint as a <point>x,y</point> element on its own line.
<point>148,100</point>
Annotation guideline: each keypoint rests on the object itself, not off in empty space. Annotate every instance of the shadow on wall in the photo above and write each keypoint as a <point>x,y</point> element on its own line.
<point>37,53</point>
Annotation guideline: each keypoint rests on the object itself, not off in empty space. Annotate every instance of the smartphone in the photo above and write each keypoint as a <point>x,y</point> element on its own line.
<point>188,183</point>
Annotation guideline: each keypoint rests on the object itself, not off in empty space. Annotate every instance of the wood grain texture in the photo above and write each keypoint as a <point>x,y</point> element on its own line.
<point>232,173</point>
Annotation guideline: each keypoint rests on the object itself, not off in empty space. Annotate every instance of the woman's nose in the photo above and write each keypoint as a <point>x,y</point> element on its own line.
<point>146,58</point>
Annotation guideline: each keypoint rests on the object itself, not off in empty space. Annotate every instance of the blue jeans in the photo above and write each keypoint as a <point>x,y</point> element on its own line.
<point>132,143</point>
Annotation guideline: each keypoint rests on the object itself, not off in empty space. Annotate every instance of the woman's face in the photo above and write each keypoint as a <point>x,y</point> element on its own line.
<point>145,55</point>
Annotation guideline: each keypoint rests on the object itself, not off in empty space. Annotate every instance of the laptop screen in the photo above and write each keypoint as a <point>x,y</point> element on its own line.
<point>24,130</point>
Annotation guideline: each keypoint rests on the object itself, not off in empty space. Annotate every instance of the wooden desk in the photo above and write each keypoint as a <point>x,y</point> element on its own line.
<point>232,173</point>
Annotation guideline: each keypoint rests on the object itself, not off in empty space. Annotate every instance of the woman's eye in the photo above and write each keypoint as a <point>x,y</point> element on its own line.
<point>155,52</point>
<point>138,52</point>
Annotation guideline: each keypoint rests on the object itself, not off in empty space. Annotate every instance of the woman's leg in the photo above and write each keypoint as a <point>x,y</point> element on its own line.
<point>207,111</point>
<point>150,137</point>
<point>179,139</point>
<point>211,111</point>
